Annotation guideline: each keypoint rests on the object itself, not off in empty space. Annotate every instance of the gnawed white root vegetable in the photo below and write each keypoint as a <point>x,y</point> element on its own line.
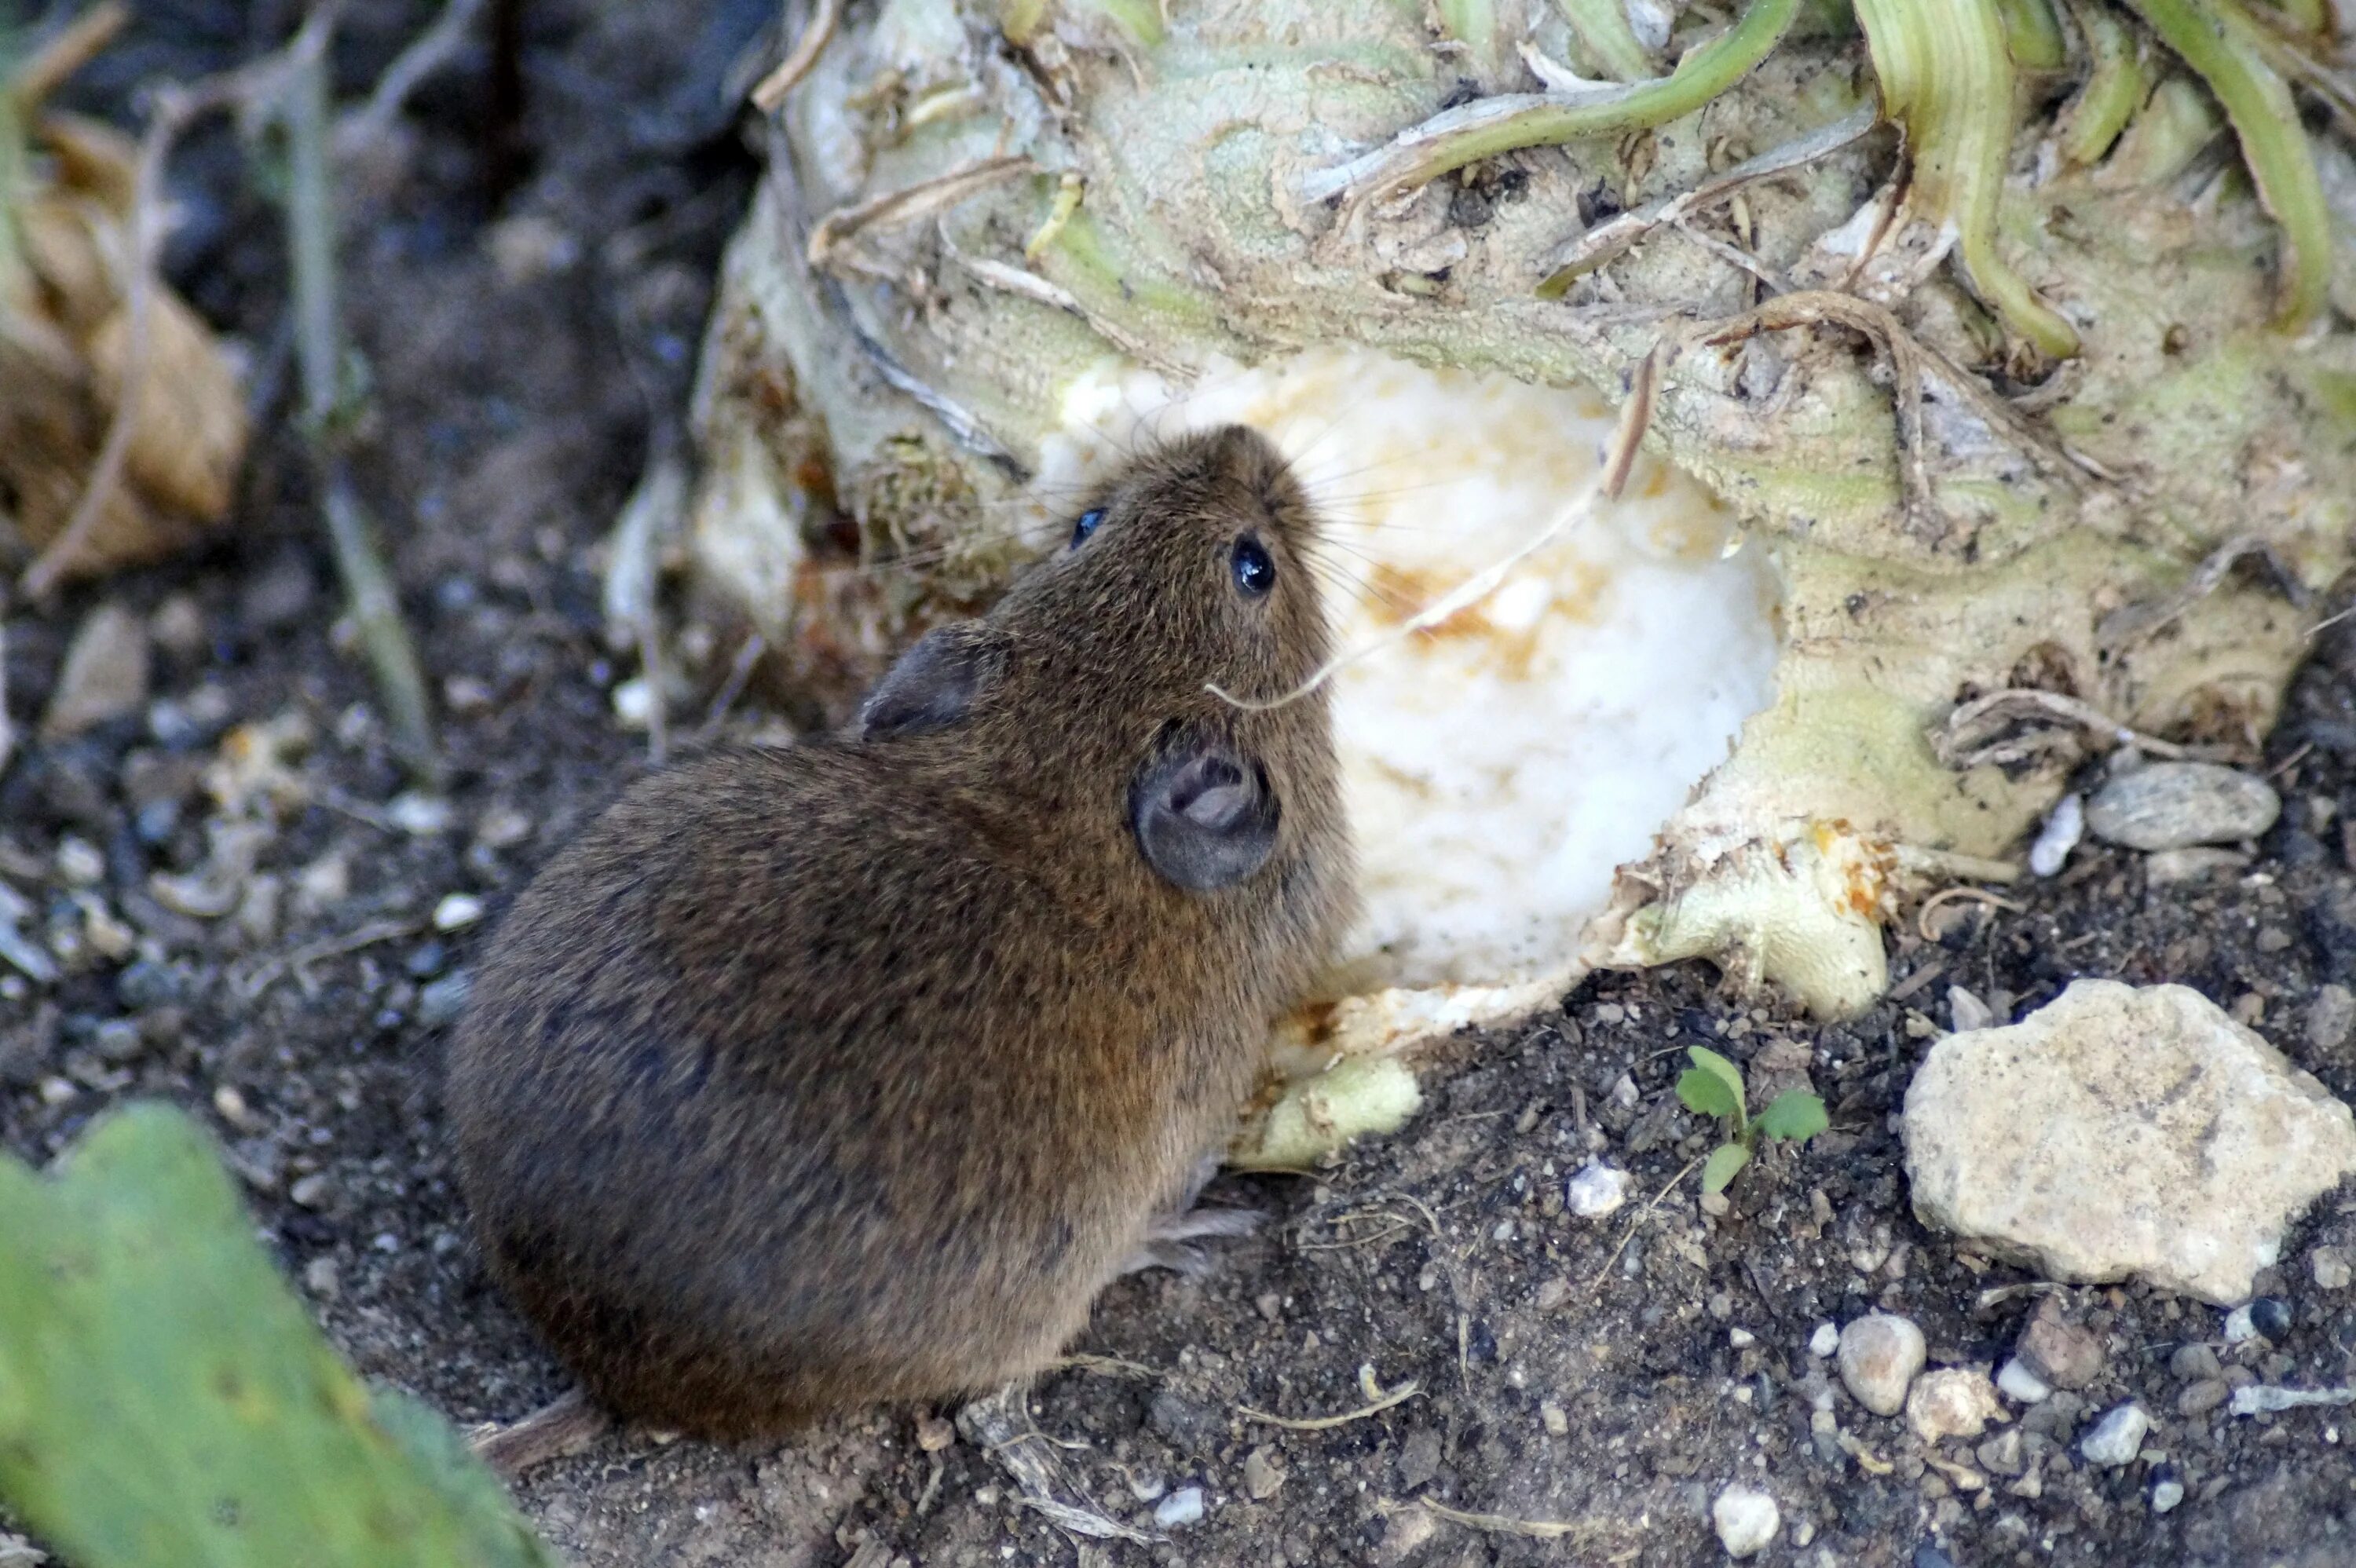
<point>1733,714</point>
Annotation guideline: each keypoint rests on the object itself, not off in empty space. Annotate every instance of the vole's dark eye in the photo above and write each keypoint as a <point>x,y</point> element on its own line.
<point>1085,524</point>
<point>1255,573</point>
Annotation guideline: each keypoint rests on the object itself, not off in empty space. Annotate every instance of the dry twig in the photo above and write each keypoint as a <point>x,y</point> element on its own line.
<point>770,93</point>
<point>1638,1219</point>
<point>1967,740</point>
<point>429,52</point>
<point>1400,1396</point>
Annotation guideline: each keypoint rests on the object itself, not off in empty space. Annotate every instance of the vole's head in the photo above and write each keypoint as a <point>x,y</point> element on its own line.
<point>1189,570</point>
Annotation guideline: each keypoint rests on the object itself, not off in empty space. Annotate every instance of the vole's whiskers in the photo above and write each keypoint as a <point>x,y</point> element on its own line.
<point>1471,591</point>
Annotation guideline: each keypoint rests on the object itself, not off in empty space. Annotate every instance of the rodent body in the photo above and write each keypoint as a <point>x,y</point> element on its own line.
<point>852,1071</point>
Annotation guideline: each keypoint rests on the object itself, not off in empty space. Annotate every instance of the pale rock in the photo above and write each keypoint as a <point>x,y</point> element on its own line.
<point>2173,867</point>
<point>2330,1268</point>
<point>2117,1437</point>
<point>1596,1191</point>
<point>2060,835</point>
<point>1746,1520</point>
<point>2122,1130</point>
<point>2020,1383</point>
<point>1877,1357</point>
<point>2175,805</point>
<point>2331,1016</point>
<point>456,912</point>
<point>105,674</point>
<point>1954,1401</point>
<point>2062,1353</point>
<point>1824,1342</point>
<point>1180,1509</point>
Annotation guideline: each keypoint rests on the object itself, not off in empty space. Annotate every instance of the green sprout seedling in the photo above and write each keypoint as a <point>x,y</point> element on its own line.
<point>1712,1086</point>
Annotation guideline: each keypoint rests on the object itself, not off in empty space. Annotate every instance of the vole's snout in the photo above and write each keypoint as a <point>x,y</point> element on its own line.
<point>1241,458</point>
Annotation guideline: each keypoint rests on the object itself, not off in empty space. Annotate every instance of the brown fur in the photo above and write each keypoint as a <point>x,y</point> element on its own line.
<point>852,1071</point>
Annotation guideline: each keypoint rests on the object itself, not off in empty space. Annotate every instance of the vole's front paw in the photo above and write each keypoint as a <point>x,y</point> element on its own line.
<point>1169,1241</point>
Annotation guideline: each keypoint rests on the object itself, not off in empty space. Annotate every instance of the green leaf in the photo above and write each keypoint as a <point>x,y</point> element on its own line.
<point>166,1398</point>
<point>1704,1093</point>
<point>1795,1114</point>
<point>1723,1162</point>
<point>1727,1101</point>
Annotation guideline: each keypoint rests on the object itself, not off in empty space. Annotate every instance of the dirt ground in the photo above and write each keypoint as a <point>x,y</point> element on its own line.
<point>1582,1389</point>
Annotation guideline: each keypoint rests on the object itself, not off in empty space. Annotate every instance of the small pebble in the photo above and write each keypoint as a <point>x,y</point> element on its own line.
<point>178,628</point>
<point>319,1277</point>
<point>1746,1518</point>
<point>2174,868</point>
<point>2004,1454</point>
<point>2058,1350</point>
<point>2330,1268</point>
<point>2270,1316</point>
<point>502,827</point>
<point>1878,1356</point>
<point>456,912</point>
<point>1553,1418</point>
<point>119,1041</point>
<point>79,862</point>
<point>633,702</point>
<point>2117,1437</point>
<point>935,1433</point>
<point>426,962</point>
<point>1263,1476</point>
<point>105,674</point>
<point>1180,1509</point>
<point>2331,1017</point>
<point>1824,1342</point>
<point>311,1191</point>
<point>419,815</point>
<point>147,984</point>
<point>2200,1398</point>
<point>1596,1191</point>
<point>1742,1338</point>
<point>1966,1012</point>
<point>2193,1362</point>
<point>1954,1401</point>
<point>2238,1329</point>
<point>2063,828</point>
<point>2165,1492</point>
<point>2175,805</point>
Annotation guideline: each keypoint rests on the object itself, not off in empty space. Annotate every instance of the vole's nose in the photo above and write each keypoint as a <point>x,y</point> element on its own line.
<point>1241,454</point>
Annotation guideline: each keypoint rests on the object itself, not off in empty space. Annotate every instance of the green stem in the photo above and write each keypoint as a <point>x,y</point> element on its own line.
<point>2114,91</point>
<point>1602,30</point>
<point>1509,122</point>
<point>1141,19</point>
<point>2220,43</point>
<point>2033,35</point>
<point>318,343</point>
<point>1948,77</point>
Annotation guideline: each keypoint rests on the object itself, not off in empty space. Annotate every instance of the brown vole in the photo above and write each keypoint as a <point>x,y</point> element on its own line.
<point>852,1071</point>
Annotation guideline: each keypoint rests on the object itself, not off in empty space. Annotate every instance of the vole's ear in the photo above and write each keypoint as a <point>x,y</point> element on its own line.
<point>1204,814</point>
<point>934,685</point>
